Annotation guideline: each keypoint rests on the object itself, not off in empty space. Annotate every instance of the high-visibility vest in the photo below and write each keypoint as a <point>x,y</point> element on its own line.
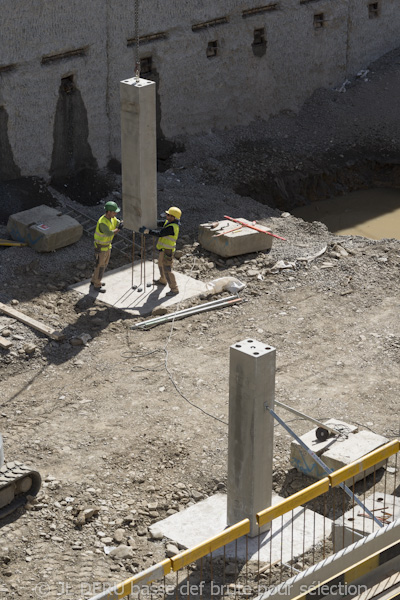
<point>102,241</point>
<point>168,242</point>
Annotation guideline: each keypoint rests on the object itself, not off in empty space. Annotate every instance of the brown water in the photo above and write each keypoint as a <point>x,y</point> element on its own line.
<point>373,213</point>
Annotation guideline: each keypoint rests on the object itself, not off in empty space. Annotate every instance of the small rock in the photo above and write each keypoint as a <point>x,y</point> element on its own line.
<point>156,534</point>
<point>29,349</point>
<point>171,550</point>
<point>107,541</point>
<point>6,333</point>
<point>142,530</point>
<point>121,552</point>
<point>197,496</point>
<point>159,311</point>
<point>253,273</point>
<point>119,535</point>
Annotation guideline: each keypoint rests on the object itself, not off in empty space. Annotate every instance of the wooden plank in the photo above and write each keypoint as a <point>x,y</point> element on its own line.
<point>4,343</point>
<point>11,312</point>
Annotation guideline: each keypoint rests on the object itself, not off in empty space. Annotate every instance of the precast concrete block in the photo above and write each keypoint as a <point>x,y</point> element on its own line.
<point>353,448</point>
<point>355,523</point>
<point>251,431</point>
<point>44,228</point>
<point>336,452</point>
<point>228,238</point>
<point>139,153</point>
<point>302,461</point>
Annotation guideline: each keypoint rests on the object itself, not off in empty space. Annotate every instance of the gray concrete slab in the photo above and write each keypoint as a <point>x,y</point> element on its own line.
<point>227,238</point>
<point>119,292</point>
<point>44,229</point>
<point>336,452</point>
<point>354,524</point>
<point>207,518</point>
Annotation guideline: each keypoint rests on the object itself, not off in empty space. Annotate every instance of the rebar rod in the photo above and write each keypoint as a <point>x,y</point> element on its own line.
<point>186,312</point>
<point>304,416</point>
<point>172,317</point>
<point>133,256</point>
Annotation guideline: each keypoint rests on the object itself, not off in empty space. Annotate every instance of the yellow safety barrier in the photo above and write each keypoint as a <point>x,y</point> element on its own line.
<point>347,576</point>
<point>312,491</point>
<point>228,535</point>
<point>364,463</point>
<point>242,528</point>
<point>134,583</point>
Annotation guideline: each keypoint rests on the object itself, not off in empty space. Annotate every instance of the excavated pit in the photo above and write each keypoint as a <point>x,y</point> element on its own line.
<point>293,189</point>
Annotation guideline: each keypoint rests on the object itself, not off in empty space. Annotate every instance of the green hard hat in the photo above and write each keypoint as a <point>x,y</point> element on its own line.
<point>113,206</point>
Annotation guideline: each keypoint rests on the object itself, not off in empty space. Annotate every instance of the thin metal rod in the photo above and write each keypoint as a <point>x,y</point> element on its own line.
<point>172,317</point>
<point>191,310</point>
<point>324,466</point>
<point>300,414</point>
<point>153,257</point>
<point>133,255</point>
<point>144,262</point>
<point>141,257</point>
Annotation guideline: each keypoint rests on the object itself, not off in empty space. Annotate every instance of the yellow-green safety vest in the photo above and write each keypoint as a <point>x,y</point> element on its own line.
<point>168,242</point>
<point>102,241</point>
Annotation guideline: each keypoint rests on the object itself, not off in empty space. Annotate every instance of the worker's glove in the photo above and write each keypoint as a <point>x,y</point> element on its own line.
<point>143,229</point>
<point>121,225</point>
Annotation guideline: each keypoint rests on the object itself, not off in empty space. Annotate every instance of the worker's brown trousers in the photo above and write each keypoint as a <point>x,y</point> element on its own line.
<point>102,259</point>
<point>165,260</point>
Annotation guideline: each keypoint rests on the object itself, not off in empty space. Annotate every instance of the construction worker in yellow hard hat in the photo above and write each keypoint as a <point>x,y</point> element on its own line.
<point>167,236</point>
<point>107,226</point>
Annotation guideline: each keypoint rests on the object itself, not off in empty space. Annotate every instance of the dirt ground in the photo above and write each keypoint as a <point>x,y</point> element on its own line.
<point>133,424</point>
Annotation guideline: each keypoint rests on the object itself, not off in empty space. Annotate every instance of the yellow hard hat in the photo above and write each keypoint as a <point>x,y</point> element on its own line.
<point>174,211</point>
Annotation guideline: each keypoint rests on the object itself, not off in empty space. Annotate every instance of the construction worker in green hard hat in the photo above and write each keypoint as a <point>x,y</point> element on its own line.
<point>107,226</point>
<point>167,236</point>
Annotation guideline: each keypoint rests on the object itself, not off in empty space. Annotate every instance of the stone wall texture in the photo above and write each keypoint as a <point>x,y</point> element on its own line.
<point>303,45</point>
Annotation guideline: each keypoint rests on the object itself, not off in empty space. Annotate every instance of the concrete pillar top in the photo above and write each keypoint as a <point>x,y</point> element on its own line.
<point>137,83</point>
<point>253,347</point>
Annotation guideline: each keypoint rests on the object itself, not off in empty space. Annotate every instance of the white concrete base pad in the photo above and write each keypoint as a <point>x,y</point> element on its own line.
<point>207,518</point>
<point>355,524</point>
<point>119,292</point>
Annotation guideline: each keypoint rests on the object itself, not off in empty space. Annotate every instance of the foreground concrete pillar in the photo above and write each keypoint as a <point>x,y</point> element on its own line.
<point>251,431</point>
<point>139,153</point>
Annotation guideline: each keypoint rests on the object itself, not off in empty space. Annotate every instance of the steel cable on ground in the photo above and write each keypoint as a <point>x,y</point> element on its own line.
<point>165,363</point>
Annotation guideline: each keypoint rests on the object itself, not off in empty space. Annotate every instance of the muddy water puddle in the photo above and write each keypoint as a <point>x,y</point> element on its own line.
<point>373,213</point>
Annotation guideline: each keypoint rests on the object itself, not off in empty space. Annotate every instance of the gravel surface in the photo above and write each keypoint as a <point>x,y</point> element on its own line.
<point>127,426</point>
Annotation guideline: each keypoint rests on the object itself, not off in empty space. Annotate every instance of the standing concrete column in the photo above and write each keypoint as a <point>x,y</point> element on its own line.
<point>251,431</point>
<point>139,153</point>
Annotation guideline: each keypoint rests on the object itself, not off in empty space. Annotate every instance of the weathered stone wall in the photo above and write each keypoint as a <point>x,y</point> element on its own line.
<point>195,92</point>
